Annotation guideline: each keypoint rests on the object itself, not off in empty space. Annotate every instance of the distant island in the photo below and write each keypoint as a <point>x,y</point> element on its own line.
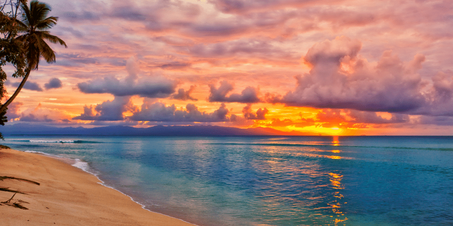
<point>29,129</point>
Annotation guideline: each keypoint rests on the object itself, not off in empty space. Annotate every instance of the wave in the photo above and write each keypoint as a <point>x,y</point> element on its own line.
<point>57,141</point>
<point>43,153</point>
<point>82,165</point>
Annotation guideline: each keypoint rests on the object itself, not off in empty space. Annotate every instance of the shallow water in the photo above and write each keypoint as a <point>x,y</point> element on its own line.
<point>272,180</point>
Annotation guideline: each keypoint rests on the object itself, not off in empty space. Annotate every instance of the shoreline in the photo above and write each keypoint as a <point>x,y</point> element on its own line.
<point>84,166</point>
<point>67,195</point>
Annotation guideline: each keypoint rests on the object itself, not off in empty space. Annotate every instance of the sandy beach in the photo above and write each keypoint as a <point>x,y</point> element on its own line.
<point>65,196</point>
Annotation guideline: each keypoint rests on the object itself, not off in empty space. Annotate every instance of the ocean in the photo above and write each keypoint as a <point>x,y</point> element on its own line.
<point>271,180</point>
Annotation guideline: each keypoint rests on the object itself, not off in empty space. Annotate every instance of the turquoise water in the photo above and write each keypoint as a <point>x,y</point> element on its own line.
<point>272,180</point>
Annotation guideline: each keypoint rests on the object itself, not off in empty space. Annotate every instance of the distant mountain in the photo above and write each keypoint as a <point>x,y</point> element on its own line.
<point>29,129</point>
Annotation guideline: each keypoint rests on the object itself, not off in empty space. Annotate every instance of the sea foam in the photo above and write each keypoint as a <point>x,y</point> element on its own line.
<point>81,165</point>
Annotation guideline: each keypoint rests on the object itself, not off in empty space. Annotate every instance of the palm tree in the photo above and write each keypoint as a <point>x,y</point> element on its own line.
<point>34,27</point>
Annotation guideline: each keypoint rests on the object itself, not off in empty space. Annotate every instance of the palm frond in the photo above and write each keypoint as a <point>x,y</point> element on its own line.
<point>47,23</point>
<point>22,37</point>
<point>52,38</point>
<point>27,18</point>
<point>38,11</point>
<point>35,24</point>
<point>47,52</point>
<point>21,25</point>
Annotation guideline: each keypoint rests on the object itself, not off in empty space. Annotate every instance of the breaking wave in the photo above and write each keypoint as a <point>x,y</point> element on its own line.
<point>57,141</point>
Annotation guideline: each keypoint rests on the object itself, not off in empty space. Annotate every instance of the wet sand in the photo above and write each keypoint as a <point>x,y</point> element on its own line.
<point>65,196</point>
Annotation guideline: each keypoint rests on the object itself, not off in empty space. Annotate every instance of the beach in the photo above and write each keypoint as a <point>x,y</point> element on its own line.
<point>65,195</point>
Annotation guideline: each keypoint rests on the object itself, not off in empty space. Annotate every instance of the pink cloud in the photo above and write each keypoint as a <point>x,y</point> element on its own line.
<point>244,6</point>
<point>340,78</point>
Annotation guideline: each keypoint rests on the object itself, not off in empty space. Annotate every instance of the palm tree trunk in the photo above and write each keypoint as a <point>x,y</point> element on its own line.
<point>5,106</point>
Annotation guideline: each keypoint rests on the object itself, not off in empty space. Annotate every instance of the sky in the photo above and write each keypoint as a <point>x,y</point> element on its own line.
<point>338,67</point>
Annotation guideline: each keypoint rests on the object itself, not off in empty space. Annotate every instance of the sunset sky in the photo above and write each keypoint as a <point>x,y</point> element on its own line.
<point>338,67</point>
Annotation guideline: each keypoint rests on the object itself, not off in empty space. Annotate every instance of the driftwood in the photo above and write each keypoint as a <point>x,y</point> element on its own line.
<point>15,178</point>
<point>15,204</point>
<point>9,200</point>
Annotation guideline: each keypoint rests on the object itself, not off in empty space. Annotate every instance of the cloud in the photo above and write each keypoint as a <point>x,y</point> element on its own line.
<point>108,110</point>
<point>30,86</point>
<point>40,114</point>
<point>79,60</point>
<point>443,86</point>
<point>53,83</point>
<point>151,112</point>
<point>244,49</point>
<point>438,120</point>
<point>158,111</point>
<point>303,122</point>
<point>439,96</point>
<point>249,114</point>
<point>33,86</point>
<point>81,16</point>
<point>88,114</point>
<point>245,6</point>
<point>13,111</point>
<point>340,78</point>
<point>73,31</point>
<point>175,66</point>
<point>342,118</point>
<point>34,118</point>
<point>150,86</point>
<point>156,86</point>
<point>374,118</point>
<point>127,13</point>
<point>184,95</point>
<point>248,95</point>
